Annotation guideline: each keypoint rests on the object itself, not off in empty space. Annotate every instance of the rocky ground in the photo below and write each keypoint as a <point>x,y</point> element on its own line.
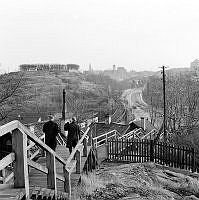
<point>138,181</point>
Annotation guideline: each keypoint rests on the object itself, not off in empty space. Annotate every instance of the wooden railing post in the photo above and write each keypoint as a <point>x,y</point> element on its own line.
<point>51,176</point>
<point>90,138</point>
<point>19,147</point>
<point>3,171</point>
<point>85,147</point>
<point>78,165</point>
<point>151,150</point>
<point>193,160</point>
<point>67,183</point>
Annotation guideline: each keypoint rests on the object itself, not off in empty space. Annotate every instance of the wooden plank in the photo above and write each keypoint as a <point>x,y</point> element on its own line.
<point>166,154</point>
<point>19,145</point>
<point>9,177</point>
<point>14,194</point>
<point>34,154</point>
<point>127,151</point>
<point>183,157</point>
<point>9,127</point>
<point>33,144</point>
<point>37,166</point>
<point>122,149</point>
<point>151,150</point>
<point>70,167</point>
<point>139,151</point>
<point>77,146</point>
<point>142,151</point>
<point>7,160</point>
<point>193,164</point>
<point>85,153</point>
<point>51,176</point>
<point>78,164</point>
<point>169,155</point>
<point>130,149</point>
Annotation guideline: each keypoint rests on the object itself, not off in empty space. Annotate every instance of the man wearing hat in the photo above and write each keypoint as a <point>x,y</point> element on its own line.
<point>73,134</point>
<point>51,130</point>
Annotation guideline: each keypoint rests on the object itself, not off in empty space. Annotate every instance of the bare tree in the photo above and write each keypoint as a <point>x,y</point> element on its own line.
<point>181,102</point>
<point>11,93</point>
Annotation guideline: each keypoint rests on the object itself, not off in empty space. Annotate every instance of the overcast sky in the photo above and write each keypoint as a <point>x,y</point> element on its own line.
<point>136,34</point>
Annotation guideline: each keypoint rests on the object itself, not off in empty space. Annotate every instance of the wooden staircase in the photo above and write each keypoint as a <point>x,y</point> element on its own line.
<point>52,176</point>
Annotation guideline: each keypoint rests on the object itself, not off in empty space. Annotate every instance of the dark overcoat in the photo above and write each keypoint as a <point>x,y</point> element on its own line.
<point>73,133</point>
<point>51,130</point>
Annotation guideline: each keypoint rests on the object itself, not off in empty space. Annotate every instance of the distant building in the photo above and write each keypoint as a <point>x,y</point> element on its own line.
<point>49,67</point>
<point>195,66</point>
<point>119,73</point>
<point>72,67</point>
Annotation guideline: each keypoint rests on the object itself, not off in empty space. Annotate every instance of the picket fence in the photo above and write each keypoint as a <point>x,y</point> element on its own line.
<point>150,151</point>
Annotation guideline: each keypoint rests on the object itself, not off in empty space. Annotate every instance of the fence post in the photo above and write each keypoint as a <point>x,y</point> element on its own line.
<point>67,182</point>
<point>151,150</point>
<point>107,148</point>
<point>19,147</point>
<point>78,164</point>
<point>85,147</point>
<point>51,176</point>
<point>90,138</point>
<point>193,160</point>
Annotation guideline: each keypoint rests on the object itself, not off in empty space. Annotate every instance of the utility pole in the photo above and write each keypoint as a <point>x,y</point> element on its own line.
<point>164,102</point>
<point>64,104</point>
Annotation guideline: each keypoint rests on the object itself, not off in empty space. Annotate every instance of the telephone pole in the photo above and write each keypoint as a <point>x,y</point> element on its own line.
<point>64,104</point>
<point>164,102</point>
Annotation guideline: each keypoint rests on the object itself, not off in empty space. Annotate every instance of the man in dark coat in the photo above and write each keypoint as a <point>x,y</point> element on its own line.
<point>51,130</point>
<point>73,134</point>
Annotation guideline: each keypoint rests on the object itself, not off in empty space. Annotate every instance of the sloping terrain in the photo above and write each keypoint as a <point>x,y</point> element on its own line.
<point>44,92</point>
<point>139,181</point>
<point>84,93</point>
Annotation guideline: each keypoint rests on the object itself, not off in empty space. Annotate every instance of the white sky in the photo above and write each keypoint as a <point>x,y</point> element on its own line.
<point>136,34</point>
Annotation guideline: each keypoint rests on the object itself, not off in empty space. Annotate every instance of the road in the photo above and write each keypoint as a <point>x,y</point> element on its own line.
<point>136,102</point>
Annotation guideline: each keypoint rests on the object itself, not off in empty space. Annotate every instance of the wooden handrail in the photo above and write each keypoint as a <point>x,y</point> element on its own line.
<point>131,132</point>
<point>154,130</point>
<point>33,144</point>
<point>7,160</point>
<point>9,127</point>
<point>105,134</point>
<point>76,147</point>
<point>106,137</point>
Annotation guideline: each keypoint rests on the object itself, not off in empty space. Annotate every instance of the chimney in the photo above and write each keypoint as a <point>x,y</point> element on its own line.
<point>143,123</point>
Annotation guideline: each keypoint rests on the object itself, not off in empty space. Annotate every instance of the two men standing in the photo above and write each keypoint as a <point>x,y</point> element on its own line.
<point>51,131</point>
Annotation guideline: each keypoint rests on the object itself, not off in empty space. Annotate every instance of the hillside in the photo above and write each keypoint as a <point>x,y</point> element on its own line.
<point>138,181</point>
<point>44,95</point>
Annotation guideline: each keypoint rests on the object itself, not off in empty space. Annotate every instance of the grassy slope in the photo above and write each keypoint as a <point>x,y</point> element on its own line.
<point>45,92</point>
<point>138,181</point>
